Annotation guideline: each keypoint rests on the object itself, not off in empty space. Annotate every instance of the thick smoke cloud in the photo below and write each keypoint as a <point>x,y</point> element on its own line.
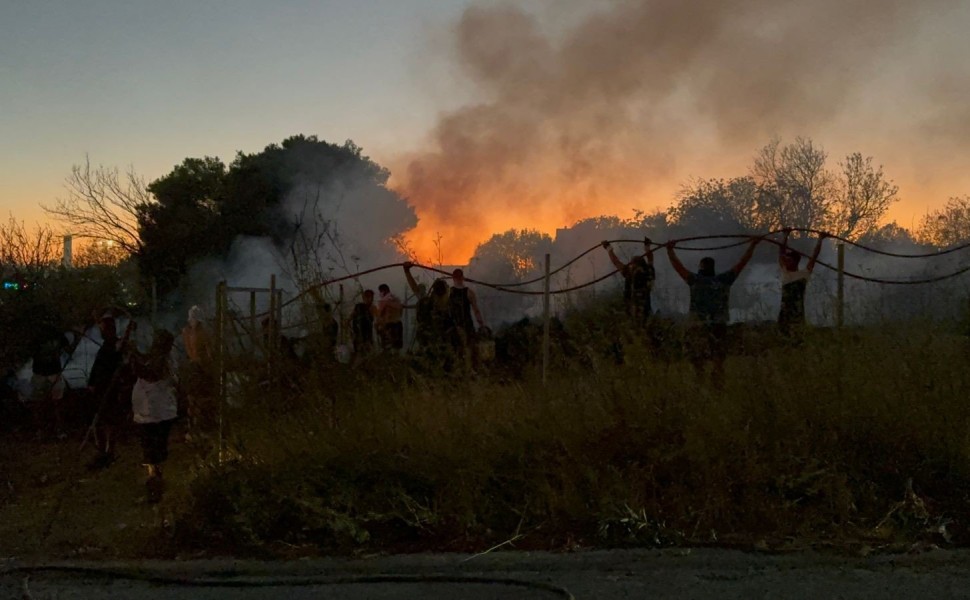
<point>333,221</point>
<point>617,109</point>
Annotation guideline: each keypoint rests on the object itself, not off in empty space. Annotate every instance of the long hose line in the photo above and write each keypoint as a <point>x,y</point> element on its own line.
<point>677,244</point>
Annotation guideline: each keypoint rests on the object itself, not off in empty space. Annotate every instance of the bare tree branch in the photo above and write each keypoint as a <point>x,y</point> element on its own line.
<point>103,204</point>
<point>22,248</point>
<point>864,197</point>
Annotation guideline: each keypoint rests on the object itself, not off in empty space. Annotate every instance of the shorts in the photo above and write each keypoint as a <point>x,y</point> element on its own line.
<point>154,441</point>
<point>47,388</point>
<point>707,341</point>
<point>114,410</point>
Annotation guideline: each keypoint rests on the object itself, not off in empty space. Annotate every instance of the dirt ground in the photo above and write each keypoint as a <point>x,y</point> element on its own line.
<point>53,507</point>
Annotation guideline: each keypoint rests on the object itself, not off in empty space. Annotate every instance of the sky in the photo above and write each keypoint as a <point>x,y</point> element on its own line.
<point>490,115</point>
<point>146,83</point>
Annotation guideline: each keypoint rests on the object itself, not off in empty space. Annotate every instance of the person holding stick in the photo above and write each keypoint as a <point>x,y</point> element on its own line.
<point>710,294</point>
<point>105,383</point>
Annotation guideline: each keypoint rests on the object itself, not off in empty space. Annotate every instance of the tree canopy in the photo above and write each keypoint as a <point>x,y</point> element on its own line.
<point>301,194</point>
<point>790,186</point>
<point>947,226</point>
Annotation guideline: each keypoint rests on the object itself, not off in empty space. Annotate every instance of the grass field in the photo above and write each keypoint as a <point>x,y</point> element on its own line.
<point>857,439</point>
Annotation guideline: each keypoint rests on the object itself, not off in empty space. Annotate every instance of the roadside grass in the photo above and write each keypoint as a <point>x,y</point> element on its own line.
<point>856,437</point>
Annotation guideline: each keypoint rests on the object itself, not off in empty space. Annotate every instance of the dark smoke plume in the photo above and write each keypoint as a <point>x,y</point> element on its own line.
<point>616,110</point>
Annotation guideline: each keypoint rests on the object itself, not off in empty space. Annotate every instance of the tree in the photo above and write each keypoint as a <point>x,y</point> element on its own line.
<point>99,252</point>
<point>21,248</point>
<point>513,255</point>
<point>103,204</point>
<point>509,257</point>
<point>789,186</point>
<point>322,206</point>
<point>864,196</point>
<point>948,226</point>
<point>888,234</point>
<point>183,224</point>
<point>795,188</point>
<point>716,205</point>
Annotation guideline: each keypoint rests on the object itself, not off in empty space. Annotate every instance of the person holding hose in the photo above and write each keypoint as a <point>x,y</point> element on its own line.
<point>794,281</point>
<point>638,279</point>
<point>710,294</point>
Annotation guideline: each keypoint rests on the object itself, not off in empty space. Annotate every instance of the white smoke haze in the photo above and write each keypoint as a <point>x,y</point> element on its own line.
<point>756,296</point>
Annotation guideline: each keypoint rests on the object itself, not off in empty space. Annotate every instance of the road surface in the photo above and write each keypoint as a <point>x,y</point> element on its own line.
<point>697,573</point>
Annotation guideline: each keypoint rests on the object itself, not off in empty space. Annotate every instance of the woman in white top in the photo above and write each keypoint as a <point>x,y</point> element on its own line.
<point>794,281</point>
<point>154,404</point>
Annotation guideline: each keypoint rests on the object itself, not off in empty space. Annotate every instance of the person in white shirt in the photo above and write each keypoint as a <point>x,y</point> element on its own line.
<point>154,405</point>
<point>794,281</point>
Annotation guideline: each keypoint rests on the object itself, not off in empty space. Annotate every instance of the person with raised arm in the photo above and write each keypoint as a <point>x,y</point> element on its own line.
<point>434,328</point>
<point>709,312</point>
<point>638,278</point>
<point>794,281</point>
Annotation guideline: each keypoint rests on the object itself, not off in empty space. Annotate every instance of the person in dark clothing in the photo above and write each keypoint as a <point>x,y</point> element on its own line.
<point>794,281</point>
<point>464,304</point>
<point>434,329</point>
<point>47,383</point>
<point>105,385</point>
<point>709,312</point>
<point>362,324</point>
<point>322,341</point>
<point>638,279</point>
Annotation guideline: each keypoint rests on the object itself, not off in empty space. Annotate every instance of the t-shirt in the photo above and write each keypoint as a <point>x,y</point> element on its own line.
<point>709,296</point>
<point>154,401</point>
<point>792,276</point>
<point>793,285</point>
<point>637,281</point>
<point>390,309</point>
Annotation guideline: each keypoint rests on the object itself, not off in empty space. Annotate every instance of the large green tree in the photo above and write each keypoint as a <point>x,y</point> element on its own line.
<point>304,195</point>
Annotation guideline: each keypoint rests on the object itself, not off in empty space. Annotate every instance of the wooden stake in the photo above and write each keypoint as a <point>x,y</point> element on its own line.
<point>545,324</point>
<point>270,342</point>
<point>840,293</point>
<point>221,362</point>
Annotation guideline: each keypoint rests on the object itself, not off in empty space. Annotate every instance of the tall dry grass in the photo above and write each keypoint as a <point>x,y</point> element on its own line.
<point>854,436</point>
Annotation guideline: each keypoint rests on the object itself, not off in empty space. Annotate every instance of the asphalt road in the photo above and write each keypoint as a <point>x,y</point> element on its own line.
<point>701,574</point>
